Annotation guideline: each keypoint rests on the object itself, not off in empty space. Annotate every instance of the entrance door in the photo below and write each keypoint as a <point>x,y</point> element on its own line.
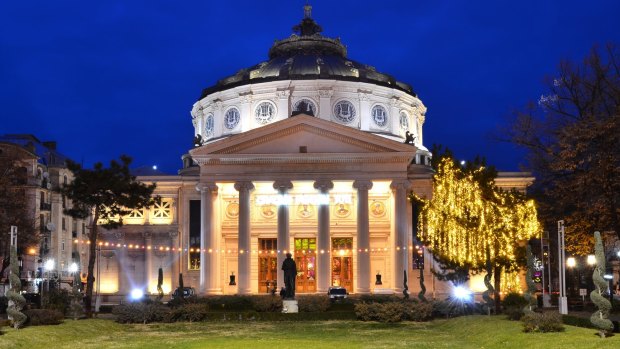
<point>305,258</point>
<point>267,265</point>
<point>342,262</point>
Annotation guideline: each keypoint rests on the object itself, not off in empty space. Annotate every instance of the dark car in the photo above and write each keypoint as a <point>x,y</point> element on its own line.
<point>337,293</point>
<point>187,292</point>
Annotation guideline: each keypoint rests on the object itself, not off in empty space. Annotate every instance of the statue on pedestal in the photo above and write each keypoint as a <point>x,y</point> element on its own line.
<point>290,273</point>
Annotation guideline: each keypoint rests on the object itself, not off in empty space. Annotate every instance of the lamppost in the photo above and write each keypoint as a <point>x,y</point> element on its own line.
<point>562,302</point>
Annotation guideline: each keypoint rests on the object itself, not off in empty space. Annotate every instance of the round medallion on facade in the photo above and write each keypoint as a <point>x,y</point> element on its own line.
<point>265,112</point>
<point>209,126</point>
<point>404,121</point>
<point>305,211</point>
<point>342,210</point>
<point>268,211</point>
<point>377,208</point>
<point>344,111</point>
<point>232,210</point>
<point>232,118</point>
<point>379,116</point>
<point>305,106</point>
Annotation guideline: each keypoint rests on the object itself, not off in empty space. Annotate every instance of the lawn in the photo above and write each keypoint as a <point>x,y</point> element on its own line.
<point>463,332</point>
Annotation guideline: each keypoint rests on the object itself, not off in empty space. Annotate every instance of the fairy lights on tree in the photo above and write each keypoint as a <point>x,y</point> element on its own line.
<point>470,222</point>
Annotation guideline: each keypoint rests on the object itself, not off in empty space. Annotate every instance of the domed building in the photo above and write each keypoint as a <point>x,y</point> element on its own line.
<point>310,153</point>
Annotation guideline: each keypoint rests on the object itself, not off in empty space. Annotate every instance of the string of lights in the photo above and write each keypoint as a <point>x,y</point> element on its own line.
<point>115,245</point>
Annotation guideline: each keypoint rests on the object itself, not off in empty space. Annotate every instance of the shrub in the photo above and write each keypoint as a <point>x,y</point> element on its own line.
<point>513,304</point>
<point>188,312</point>
<point>57,299</point>
<point>39,317</point>
<point>267,304</point>
<point>313,303</point>
<point>542,322</point>
<point>374,298</point>
<point>417,311</point>
<point>140,313</point>
<point>381,312</point>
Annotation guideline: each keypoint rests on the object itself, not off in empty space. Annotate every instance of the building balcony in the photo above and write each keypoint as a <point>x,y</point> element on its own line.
<point>46,206</point>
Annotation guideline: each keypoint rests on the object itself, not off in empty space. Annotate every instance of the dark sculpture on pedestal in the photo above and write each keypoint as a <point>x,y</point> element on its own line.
<point>290,273</point>
<point>409,138</point>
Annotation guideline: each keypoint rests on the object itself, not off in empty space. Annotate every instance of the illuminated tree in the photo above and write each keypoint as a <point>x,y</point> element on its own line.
<point>470,223</point>
<point>107,194</point>
<point>16,300</point>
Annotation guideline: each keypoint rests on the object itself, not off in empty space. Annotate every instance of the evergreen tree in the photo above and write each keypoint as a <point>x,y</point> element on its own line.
<point>16,300</point>
<point>107,194</point>
<point>600,318</point>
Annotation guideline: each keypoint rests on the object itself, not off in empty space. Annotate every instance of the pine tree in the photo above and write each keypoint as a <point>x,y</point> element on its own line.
<point>107,194</point>
<point>16,300</point>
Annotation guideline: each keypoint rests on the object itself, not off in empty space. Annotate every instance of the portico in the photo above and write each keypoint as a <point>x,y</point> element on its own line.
<point>335,197</point>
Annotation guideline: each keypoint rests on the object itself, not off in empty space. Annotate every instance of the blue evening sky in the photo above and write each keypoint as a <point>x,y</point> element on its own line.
<point>105,78</point>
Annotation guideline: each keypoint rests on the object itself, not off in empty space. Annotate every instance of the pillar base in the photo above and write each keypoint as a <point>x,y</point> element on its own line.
<point>290,306</point>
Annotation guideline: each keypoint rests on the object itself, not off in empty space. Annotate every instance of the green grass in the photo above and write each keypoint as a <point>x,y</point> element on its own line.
<point>463,332</point>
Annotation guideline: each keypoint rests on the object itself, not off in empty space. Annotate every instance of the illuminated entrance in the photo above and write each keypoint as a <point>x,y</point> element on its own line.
<point>267,265</point>
<point>342,262</point>
<point>305,258</point>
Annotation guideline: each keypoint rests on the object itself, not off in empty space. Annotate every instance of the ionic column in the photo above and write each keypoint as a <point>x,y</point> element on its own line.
<point>363,236</point>
<point>148,263</point>
<point>175,256</point>
<point>322,239</point>
<point>283,242</point>
<point>208,270</point>
<point>243,267</point>
<point>401,233</point>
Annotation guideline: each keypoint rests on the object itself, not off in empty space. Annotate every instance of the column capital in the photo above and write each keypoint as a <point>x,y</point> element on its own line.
<point>362,184</point>
<point>282,185</point>
<point>323,185</point>
<point>400,184</point>
<point>244,186</point>
<point>207,187</point>
<point>173,234</point>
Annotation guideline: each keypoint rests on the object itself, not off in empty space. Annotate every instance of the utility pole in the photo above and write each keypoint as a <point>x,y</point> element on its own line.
<point>562,301</point>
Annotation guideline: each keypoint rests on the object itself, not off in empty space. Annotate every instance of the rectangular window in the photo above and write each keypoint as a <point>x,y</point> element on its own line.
<point>194,235</point>
<point>63,224</point>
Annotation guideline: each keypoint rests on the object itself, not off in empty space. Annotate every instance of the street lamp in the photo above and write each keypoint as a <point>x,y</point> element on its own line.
<point>48,266</point>
<point>571,263</point>
<point>591,260</point>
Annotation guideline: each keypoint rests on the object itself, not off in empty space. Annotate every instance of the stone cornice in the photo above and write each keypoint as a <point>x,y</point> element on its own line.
<point>323,158</point>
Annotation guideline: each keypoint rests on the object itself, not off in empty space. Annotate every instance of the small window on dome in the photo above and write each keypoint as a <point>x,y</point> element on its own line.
<point>209,126</point>
<point>304,106</point>
<point>232,118</point>
<point>404,121</point>
<point>379,115</point>
<point>344,111</point>
<point>265,113</point>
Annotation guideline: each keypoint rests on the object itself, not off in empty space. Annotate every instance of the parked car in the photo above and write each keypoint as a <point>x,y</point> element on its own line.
<point>187,292</point>
<point>337,293</point>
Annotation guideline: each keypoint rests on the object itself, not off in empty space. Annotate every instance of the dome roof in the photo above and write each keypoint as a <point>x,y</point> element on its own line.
<point>307,55</point>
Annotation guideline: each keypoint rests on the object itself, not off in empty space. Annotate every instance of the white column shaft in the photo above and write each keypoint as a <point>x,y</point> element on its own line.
<point>363,237</point>
<point>322,241</point>
<point>243,267</point>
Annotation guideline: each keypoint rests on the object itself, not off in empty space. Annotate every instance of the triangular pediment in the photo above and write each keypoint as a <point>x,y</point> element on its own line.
<point>301,134</point>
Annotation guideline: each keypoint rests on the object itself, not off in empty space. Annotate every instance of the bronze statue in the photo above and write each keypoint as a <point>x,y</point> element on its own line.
<point>198,140</point>
<point>290,273</point>
<point>409,138</point>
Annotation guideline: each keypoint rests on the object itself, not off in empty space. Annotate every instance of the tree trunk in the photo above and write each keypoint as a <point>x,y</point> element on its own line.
<point>92,255</point>
<point>497,279</point>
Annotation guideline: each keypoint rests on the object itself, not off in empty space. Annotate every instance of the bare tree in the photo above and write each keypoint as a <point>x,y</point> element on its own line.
<point>572,136</point>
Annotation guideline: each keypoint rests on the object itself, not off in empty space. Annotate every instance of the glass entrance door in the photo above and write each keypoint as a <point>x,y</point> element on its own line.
<point>267,265</point>
<point>305,258</point>
<point>342,263</point>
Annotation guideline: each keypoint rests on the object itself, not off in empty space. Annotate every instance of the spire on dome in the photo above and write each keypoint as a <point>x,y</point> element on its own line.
<point>308,26</point>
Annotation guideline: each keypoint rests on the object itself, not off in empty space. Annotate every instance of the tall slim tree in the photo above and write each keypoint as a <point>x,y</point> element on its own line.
<point>572,136</point>
<point>600,318</point>
<point>106,194</point>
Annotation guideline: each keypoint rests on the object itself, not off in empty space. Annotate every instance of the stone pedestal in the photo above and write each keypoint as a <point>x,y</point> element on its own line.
<point>290,306</point>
